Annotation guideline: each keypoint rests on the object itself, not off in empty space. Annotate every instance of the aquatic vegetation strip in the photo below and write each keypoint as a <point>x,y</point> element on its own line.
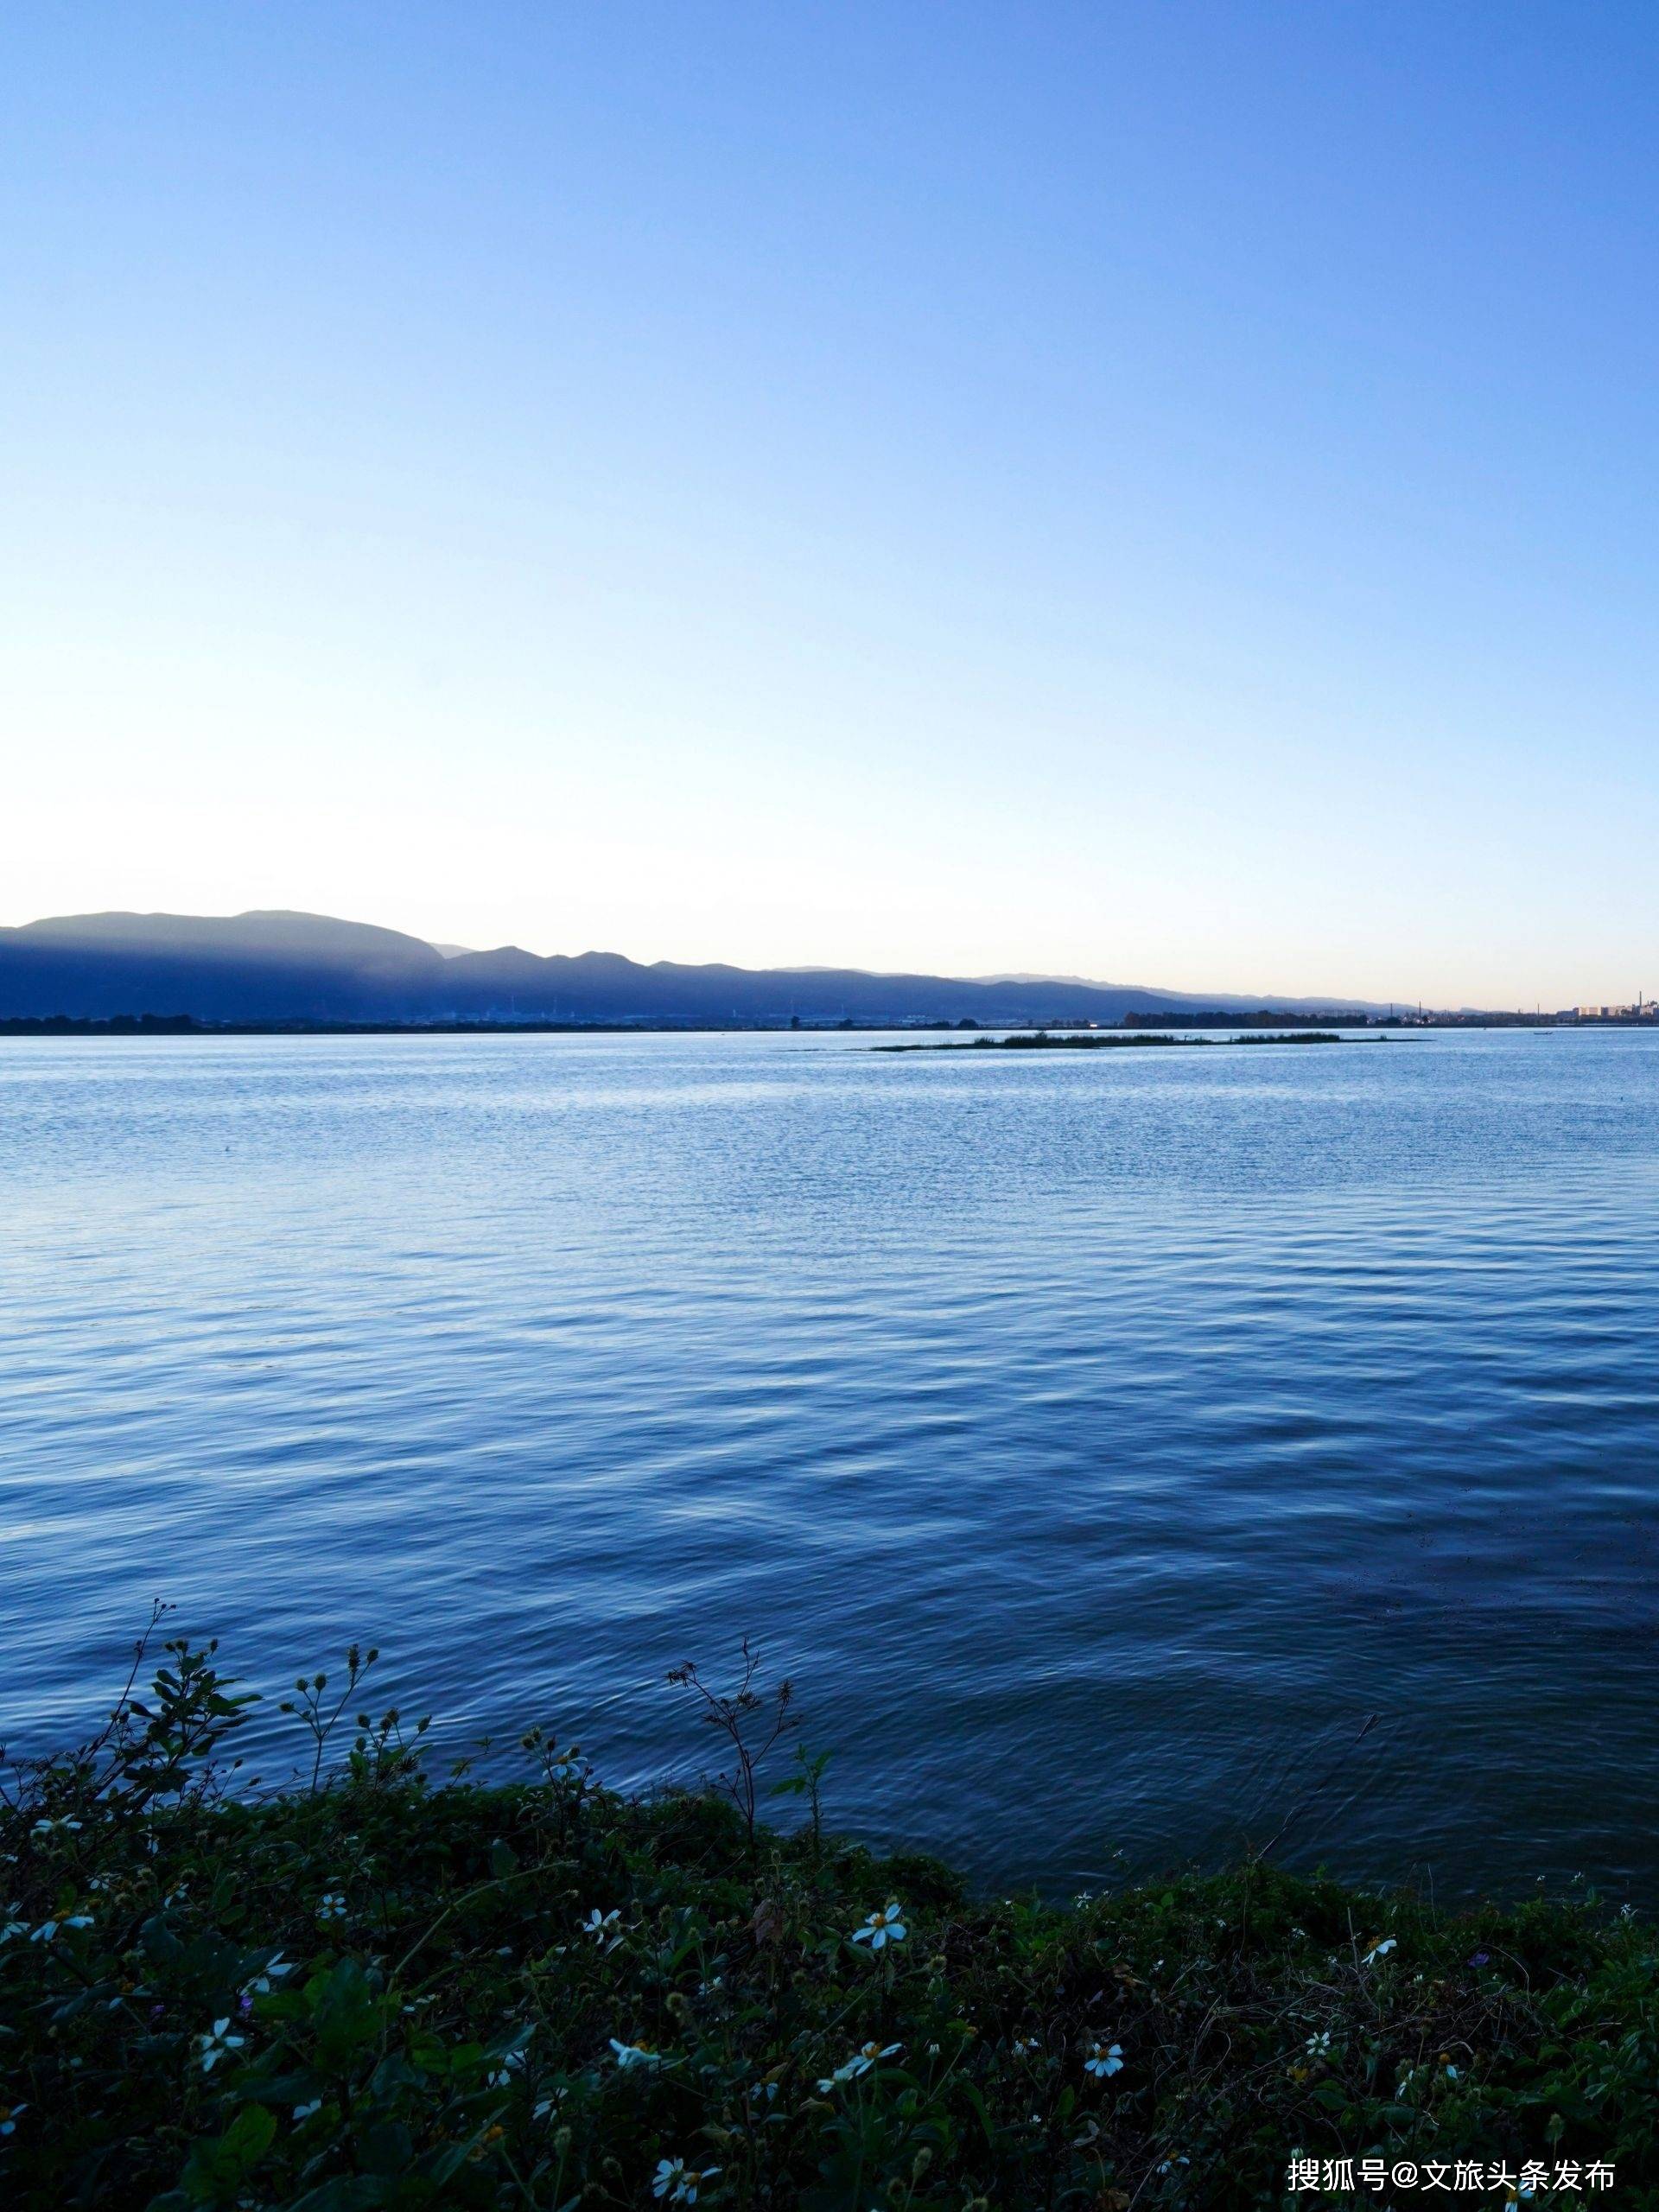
<point>375,1988</point>
<point>1092,1041</point>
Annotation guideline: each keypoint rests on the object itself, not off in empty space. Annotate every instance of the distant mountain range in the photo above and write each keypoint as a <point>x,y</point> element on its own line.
<point>280,967</point>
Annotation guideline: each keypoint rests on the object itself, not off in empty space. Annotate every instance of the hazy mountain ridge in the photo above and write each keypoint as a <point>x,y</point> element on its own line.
<point>280,966</point>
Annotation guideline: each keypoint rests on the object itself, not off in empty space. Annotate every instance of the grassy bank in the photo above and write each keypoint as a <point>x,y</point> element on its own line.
<point>380,1988</point>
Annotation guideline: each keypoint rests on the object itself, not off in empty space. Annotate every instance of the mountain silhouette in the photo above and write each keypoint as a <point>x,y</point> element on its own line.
<point>280,967</point>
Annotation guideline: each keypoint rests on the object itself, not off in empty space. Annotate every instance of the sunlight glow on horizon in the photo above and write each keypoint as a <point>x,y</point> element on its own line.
<point>1155,495</point>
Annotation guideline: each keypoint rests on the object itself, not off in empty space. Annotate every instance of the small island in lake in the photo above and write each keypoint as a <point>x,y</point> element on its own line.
<point>1092,1041</point>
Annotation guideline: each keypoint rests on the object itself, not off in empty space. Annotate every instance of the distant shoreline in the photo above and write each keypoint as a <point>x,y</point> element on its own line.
<point>152,1026</point>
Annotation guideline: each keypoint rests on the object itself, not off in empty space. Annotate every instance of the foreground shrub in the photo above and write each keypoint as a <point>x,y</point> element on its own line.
<point>375,1990</point>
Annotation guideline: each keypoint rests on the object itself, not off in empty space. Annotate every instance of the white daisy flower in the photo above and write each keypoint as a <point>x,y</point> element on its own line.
<point>273,1970</point>
<point>217,2044</point>
<point>867,2054</point>
<point>885,1927</point>
<point>678,2182</point>
<point>635,2054</point>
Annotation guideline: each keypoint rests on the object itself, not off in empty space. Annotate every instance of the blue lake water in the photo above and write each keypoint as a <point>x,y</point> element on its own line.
<point>1098,1441</point>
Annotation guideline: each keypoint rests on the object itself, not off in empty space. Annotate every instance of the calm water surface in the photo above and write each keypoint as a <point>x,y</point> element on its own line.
<point>1099,1441</point>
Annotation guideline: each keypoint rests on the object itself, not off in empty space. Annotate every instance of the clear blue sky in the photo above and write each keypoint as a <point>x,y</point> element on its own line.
<point>1157,491</point>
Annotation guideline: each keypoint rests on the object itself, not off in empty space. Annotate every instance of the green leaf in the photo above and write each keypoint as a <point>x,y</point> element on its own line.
<point>348,2193</point>
<point>394,2073</point>
<point>978,2104</point>
<point>159,1942</point>
<point>346,2016</point>
<point>261,2082</point>
<point>217,2170</point>
<point>385,2148</point>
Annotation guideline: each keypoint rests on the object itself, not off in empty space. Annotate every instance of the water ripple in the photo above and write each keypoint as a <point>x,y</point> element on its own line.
<point>1098,1441</point>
